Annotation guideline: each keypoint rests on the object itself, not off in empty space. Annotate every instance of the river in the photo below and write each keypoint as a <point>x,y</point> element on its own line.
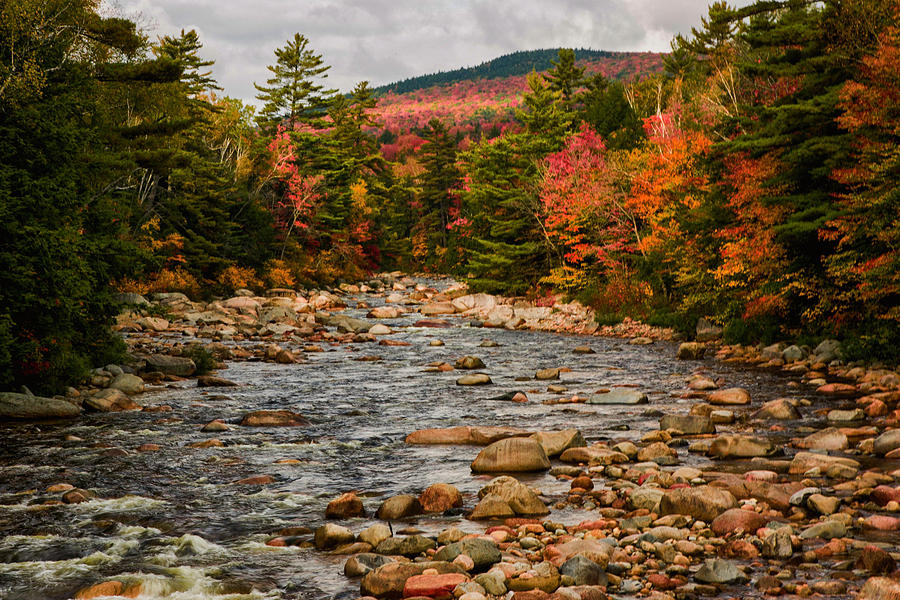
<point>174,520</point>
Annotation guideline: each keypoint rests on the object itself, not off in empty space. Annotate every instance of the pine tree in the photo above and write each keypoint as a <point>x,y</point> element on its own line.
<point>607,110</point>
<point>508,250</point>
<point>440,181</point>
<point>66,149</point>
<point>565,77</point>
<point>294,93</point>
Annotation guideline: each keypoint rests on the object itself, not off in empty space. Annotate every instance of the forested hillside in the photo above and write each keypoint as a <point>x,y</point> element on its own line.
<point>752,181</point>
<point>616,65</point>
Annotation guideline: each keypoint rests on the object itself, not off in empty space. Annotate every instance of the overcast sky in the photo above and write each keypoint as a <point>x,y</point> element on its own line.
<point>385,40</point>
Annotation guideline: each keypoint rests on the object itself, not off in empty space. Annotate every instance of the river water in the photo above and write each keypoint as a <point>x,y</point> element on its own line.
<point>174,520</point>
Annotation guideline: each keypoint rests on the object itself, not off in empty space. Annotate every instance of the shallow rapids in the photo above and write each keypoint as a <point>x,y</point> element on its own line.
<point>174,521</point>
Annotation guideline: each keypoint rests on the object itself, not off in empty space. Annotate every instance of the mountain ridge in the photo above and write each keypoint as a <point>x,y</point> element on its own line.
<point>512,64</point>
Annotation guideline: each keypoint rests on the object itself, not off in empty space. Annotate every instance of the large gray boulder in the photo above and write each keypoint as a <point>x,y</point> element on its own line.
<point>704,503</point>
<point>128,384</point>
<point>26,406</point>
<point>511,455</point>
<point>482,552</point>
<point>520,498</point>
<point>344,324</point>
<point>887,442</point>
<point>619,396</point>
<point>170,365</point>
<point>132,298</point>
<point>687,424</point>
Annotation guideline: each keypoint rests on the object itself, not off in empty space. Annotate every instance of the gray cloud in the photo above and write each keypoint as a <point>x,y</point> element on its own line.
<point>386,40</point>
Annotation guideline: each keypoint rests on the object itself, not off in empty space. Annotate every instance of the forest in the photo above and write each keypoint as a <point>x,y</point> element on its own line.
<point>751,180</point>
<point>514,64</point>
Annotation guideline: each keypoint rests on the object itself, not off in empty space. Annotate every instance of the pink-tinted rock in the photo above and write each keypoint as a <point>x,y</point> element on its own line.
<point>741,549</point>
<point>434,323</point>
<point>659,581</point>
<point>882,523</point>
<point>256,480</point>
<point>837,389</point>
<point>433,586</point>
<point>883,494</point>
<point>764,476</point>
<point>273,418</point>
<point>735,519</point>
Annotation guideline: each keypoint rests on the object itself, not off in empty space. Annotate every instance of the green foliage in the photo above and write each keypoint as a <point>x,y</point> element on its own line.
<point>764,329</point>
<point>439,185</point>
<point>203,358</point>
<point>609,319</point>
<point>682,322</point>
<point>565,77</point>
<point>874,340</point>
<point>508,251</point>
<point>162,311</point>
<point>293,93</point>
<point>606,109</point>
<point>64,237</point>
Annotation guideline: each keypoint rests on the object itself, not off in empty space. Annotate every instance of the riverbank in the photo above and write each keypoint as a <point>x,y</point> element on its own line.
<point>699,482</point>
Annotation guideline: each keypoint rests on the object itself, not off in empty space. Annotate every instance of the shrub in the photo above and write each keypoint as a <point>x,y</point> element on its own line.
<point>175,280</point>
<point>875,340</point>
<point>235,278</point>
<point>203,358</point>
<point>279,275</point>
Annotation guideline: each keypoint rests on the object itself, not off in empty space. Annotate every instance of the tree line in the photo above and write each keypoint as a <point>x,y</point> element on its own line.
<point>753,182</point>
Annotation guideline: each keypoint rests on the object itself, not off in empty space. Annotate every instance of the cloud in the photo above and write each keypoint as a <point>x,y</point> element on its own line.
<point>385,40</point>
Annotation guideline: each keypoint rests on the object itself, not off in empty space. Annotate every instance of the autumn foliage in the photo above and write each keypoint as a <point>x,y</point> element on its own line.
<point>739,178</point>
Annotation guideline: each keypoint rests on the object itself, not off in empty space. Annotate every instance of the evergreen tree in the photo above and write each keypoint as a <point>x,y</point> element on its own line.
<point>606,109</point>
<point>565,77</point>
<point>440,181</point>
<point>508,250</point>
<point>294,93</point>
<point>62,68</point>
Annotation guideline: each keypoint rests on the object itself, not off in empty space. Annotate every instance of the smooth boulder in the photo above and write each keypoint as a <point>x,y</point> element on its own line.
<point>887,442</point>
<point>483,552</point>
<point>399,507</point>
<point>273,418</point>
<point>781,409</point>
<point>26,406</point>
<point>345,506</point>
<point>703,502</point>
<point>511,455</point>
<point>170,365</point>
<point>474,379</point>
<point>440,497</point>
<point>128,384</point>
<point>740,446</point>
<point>687,424</point>
<point>555,443</point>
<point>110,400</point>
<point>619,396</point>
<point>729,397</point>
<point>387,581</point>
<point>735,519</point>
<point>518,496</point>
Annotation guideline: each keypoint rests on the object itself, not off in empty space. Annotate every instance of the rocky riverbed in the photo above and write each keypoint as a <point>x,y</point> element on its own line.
<point>404,438</point>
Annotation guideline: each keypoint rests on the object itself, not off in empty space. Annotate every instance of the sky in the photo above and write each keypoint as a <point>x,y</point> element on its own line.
<point>382,41</point>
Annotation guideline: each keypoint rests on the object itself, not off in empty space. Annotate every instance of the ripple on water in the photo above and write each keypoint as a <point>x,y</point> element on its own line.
<point>187,534</point>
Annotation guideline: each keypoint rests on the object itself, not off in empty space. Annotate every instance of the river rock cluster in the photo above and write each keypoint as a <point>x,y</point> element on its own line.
<point>794,497</point>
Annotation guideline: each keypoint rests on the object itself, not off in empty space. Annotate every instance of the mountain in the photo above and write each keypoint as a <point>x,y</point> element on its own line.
<point>615,65</point>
